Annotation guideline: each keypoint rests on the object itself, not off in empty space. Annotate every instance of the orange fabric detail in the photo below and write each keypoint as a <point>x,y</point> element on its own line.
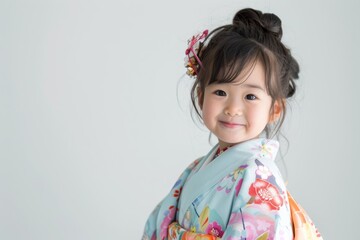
<point>303,227</point>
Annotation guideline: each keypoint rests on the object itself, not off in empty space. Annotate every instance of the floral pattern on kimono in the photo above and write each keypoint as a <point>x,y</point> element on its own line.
<point>238,195</point>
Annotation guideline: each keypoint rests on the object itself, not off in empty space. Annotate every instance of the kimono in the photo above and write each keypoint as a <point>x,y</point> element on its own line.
<point>239,194</point>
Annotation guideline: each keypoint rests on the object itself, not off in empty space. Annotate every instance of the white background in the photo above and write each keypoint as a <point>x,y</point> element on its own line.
<point>93,136</point>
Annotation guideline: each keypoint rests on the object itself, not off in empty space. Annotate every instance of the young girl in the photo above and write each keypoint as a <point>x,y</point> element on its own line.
<point>243,76</point>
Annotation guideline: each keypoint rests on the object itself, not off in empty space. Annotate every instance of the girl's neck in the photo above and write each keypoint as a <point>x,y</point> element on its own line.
<point>224,145</point>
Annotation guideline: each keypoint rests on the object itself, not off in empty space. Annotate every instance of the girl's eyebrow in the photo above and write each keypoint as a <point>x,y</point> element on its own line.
<point>248,85</point>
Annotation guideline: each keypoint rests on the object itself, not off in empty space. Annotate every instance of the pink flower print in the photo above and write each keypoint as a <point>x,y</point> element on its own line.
<point>214,229</point>
<point>263,171</point>
<point>251,232</point>
<point>236,219</point>
<point>169,217</point>
<point>262,225</point>
<point>257,223</point>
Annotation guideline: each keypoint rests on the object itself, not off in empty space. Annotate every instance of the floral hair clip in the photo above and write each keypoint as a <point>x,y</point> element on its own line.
<point>192,61</point>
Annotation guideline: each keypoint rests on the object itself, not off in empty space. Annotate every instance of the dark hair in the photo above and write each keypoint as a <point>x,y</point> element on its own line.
<point>228,50</point>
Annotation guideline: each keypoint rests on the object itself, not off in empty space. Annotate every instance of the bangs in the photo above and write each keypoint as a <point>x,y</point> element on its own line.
<point>231,56</point>
<point>233,68</point>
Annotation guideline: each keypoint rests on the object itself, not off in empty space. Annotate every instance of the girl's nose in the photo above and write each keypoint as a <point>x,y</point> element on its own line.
<point>233,108</point>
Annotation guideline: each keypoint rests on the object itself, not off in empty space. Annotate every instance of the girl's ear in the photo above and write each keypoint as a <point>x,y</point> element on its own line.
<point>276,111</point>
<point>200,97</point>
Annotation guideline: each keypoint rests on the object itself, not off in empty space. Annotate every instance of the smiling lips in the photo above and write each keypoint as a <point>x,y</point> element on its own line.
<point>231,124</point>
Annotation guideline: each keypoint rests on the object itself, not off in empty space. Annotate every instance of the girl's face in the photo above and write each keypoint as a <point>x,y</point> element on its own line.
<point>237,111</point>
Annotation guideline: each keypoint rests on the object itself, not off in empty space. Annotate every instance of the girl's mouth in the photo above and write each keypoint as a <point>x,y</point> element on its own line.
<point>231,124</point>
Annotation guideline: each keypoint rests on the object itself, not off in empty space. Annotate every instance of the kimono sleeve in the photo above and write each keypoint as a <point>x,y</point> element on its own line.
<point>261,208</point>
<point>164,213</point>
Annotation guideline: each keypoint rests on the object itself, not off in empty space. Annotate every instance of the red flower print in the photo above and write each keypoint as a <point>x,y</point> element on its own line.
<point>177,192</point>
<point>266,193</point>
<point>214,229</point>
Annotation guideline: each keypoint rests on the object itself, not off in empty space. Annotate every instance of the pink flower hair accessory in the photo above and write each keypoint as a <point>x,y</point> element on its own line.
<point>192,61</point>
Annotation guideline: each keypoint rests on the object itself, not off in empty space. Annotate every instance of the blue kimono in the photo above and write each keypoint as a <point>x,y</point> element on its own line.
<point>239,194</point>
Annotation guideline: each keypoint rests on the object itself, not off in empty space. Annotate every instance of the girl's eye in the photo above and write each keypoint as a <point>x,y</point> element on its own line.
<point>220,93</point>
<point>250,97</point>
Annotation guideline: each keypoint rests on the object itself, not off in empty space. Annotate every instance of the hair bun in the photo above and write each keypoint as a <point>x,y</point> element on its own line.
<point>253,23</point>
<point>247,22</point>
<point>272,23</point>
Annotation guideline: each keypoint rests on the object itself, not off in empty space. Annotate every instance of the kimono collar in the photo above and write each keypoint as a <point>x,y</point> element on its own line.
<point>261,147</point>
<point>206,177</point>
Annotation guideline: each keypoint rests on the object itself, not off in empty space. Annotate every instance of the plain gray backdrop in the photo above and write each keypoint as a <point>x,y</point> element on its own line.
<point>93,135</point>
